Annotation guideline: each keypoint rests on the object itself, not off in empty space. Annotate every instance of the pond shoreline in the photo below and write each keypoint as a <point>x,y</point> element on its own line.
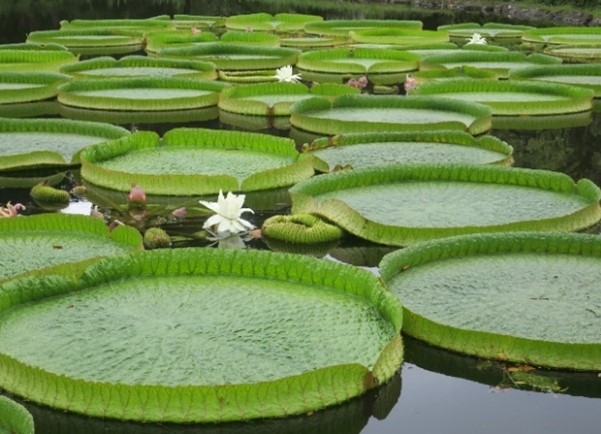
<point>507,11</point>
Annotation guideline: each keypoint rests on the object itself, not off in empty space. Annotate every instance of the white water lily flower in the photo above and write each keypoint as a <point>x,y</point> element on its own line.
<point>476,39</point>
<point>228,211</point>
<point>284,74</point>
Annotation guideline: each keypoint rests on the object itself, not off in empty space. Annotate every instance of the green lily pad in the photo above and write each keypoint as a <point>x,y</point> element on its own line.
<point>398,36</point>
<point>140,94</point>
<point>581,75</point>
<point>213,22</point>
<point>488,30</point>
<point>404,204</point>
<point>36,143</point>
<point>514,97</point>
<point>375,149</point>
<point>542,122</point>
<point>381,66</point>
<point>236,57</point>
<point>343,27</point>
<point>349,417</point>
<point>236,335</point>
<point>160,39</point>
<point>251,38</point>
<point>140,118</point>
<point>576,53</point>
<point>523,297</point>
<point>14,418</point>
<point>136,66</point>
<point>563,35</point>
<point>91,40</point>
<point>387,113</point>
<point>199,161</point>
<point>307,42</point>
<point>58,243</point>
<point>24,87</point>
<point>502,62</point>
<point>274,99</point>
<point>282,22</point>
<point>34,60</point>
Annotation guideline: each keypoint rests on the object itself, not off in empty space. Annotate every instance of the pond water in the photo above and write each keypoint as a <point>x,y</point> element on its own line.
<point>436,391</point>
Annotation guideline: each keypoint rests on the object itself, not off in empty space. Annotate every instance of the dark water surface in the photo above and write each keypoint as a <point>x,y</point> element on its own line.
<point>437,391</point>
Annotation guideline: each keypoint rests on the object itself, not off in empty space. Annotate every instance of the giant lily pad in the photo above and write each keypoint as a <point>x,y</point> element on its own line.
<point>382,66</point>
<point>361,113</point>
<point>37,143</point>
<point>140,93</point>
<point>489,30</point>
<point>91,41</point>
<point>576,53</point>
<point>405,204</point>
<point>24,87</point>
<point>524,297</point>
<point>250,38</point>
<point>58,242</point>
<point>236,57</point>
<point>234,335</point>
<point>398,36</point>
<point>199,161</point>
<point>158,40</point>
<point>582,75</point>
<point>563,35</point>
<point>282,22</point>
<point>136,66</point>
<point>502,62</point>
<point>514,97</point>
<point>376,149</point>
<point>339,28</point>
<point>14,418</point>
<point>274,99</point>
<point>34,60</point>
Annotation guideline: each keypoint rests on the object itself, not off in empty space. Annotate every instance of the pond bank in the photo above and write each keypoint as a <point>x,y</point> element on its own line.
<point>511,12</point>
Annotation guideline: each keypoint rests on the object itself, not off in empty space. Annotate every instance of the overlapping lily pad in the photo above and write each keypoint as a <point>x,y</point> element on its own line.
<point>522,297</point>
<point>274,99</point>
<point>343,27</point>
<point>14,418</point>
<point>376,149</point>
<point>361,113</point>
<point>582,75</point>
<point>25,87</point>
<point>34,60</point>
<point>145,94</point>
<point>59,243</point>
<point>398,36</point>
<point>490,30</point>
<point>514,97</point>
<point>91,40</point>
<point>502,62</point>
<point>136,66</point>
<point>251,38</point>
<point>576,53</point>
<point>195,161</point>
<point>236,57</point>
<point>42,143</point>
<point>563,35</point>
<point>382,66</point>
<point>281,23</point>
<point>160,39</point>
<point>235,335</point>
<point>404,204</point>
